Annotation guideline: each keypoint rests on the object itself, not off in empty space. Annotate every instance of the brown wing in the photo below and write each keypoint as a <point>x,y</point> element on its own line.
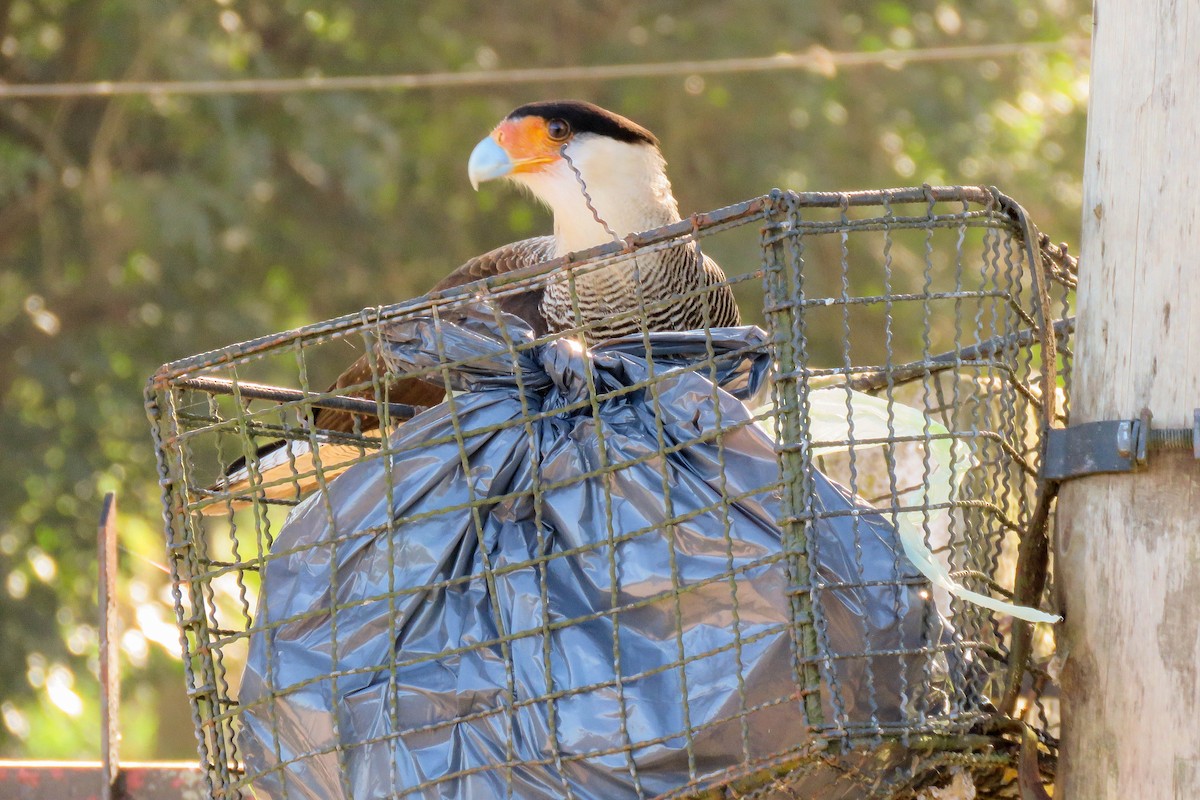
<point>517,255</point>
<point>526,305</point>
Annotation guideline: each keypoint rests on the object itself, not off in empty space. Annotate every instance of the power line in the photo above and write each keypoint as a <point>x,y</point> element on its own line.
<point>815,59</point>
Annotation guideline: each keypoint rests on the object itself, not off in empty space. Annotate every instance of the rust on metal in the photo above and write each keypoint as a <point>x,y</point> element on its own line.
<point>80,780</point>
<point>259,391</point>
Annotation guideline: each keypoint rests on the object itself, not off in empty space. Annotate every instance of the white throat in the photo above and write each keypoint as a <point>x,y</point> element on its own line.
<point>627,184</point>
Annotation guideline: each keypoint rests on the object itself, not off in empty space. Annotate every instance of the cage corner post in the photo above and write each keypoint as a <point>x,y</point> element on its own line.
<point>1127,550</point>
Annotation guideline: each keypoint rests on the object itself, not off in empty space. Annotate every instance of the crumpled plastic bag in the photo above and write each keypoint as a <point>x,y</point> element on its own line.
<point>407,643</point>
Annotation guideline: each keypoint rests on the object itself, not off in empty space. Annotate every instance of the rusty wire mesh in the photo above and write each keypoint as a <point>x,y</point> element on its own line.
<point>915,336</point>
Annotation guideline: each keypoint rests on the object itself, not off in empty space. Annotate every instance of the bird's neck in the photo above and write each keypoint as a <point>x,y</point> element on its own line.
<point>625,183</point>
<point>620,211</point>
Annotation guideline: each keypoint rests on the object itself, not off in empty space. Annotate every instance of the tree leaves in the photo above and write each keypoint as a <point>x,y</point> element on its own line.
<point>137,230</point>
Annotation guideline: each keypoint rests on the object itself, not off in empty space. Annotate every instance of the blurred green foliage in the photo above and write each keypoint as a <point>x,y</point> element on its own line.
<point>134,231</point>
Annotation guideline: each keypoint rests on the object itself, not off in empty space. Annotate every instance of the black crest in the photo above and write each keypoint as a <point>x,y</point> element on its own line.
<point>586,117</point>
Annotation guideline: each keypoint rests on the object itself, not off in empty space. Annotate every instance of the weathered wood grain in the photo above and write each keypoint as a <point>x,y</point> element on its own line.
<point>1128,546</point>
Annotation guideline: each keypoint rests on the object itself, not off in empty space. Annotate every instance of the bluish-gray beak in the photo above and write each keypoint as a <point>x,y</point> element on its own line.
<point>488,161</point>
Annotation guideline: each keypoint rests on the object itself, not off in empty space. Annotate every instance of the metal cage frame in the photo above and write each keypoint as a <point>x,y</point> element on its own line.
<point>989,377</point>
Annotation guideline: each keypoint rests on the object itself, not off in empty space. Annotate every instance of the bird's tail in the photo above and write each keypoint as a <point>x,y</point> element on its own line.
<point>284,471</point>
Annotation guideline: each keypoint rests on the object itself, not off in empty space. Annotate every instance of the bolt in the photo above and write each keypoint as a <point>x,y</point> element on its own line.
<point>1177,438</point>
<point>1170,438</point>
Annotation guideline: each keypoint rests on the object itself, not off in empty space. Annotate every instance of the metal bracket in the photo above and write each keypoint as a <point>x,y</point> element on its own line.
<point>1091,448</point>
<point>1119,445</point>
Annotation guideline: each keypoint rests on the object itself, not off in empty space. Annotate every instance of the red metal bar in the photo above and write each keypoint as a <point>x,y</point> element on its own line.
<point>80,780</point>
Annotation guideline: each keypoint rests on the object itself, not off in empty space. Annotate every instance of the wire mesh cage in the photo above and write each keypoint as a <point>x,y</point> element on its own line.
<point>774,560</point>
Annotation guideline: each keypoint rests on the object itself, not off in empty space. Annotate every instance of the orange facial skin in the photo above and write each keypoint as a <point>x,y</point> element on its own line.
<point>527,143</point>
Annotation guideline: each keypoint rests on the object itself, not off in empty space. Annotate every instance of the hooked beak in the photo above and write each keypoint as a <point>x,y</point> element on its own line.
<point>488,161</point>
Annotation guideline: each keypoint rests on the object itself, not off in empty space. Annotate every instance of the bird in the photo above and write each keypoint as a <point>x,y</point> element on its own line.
<point>557,150</point>
<point>603,177</point>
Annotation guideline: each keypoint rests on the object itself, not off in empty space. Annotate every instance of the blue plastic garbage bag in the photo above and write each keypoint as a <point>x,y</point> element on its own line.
<point>514,648</point>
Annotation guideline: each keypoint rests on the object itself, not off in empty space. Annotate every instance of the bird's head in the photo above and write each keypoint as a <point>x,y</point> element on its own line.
<point>558,149</point>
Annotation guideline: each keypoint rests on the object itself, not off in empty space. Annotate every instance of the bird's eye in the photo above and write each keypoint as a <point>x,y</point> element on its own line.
<point>558,129</point>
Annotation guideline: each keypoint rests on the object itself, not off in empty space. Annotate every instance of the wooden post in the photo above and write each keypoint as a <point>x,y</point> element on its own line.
<point>1128,546</point>
<point>110,691</point>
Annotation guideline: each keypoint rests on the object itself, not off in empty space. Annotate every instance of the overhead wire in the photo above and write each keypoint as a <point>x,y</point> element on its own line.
<point>815,59</point>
